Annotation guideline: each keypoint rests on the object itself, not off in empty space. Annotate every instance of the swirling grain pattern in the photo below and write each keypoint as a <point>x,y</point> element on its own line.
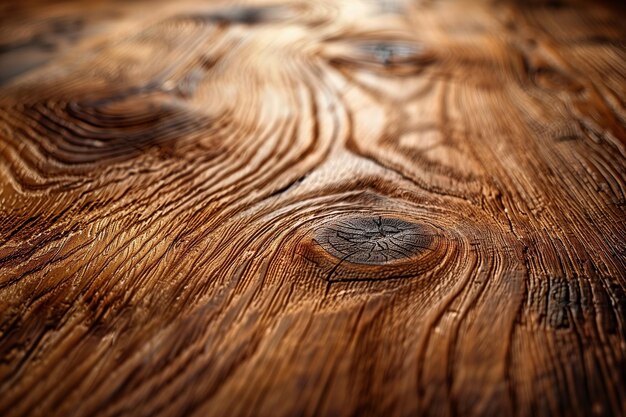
<point>302,208</point>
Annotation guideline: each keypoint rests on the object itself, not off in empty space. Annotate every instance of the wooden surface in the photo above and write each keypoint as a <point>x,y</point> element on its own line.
<point>334,208</point>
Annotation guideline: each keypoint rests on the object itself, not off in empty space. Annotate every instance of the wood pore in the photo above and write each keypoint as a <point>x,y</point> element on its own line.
<point>312,208</point>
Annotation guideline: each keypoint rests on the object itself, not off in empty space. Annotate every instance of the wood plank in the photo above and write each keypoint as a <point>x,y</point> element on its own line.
<point>337,208</point>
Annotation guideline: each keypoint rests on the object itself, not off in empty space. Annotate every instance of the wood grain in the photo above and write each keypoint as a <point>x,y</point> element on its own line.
<point>336,208</point>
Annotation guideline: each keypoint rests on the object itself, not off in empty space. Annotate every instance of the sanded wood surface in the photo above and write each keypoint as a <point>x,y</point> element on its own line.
<point>334,208</point>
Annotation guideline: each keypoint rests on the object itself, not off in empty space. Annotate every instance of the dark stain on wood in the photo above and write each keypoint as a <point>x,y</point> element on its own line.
<point>252,15</point>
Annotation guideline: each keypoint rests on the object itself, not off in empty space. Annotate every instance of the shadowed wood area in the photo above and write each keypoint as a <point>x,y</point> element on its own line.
<point>312,208</point>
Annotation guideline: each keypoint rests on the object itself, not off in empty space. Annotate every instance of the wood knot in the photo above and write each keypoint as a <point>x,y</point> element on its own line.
<point>373,240</point>
<point>380,55</point>
<point>391,53</point>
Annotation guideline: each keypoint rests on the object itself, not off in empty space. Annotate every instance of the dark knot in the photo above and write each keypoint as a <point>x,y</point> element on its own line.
<point>373,240</point>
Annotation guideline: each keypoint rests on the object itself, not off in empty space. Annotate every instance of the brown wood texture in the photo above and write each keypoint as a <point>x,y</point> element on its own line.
<point>334,208</point>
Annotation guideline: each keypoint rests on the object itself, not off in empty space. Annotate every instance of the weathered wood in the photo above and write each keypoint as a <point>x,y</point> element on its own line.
<point>389,208</point>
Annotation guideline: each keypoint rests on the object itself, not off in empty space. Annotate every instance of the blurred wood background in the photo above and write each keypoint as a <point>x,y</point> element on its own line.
<point>335,208</point>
